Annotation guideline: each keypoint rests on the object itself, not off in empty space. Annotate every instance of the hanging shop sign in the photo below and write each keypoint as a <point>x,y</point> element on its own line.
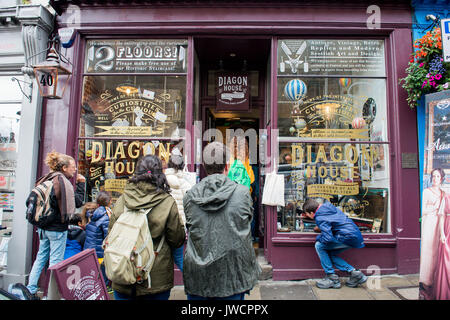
<point>135,56</point>
<point>331,57</point>
<point>232,91</point>
<point>445,36</point>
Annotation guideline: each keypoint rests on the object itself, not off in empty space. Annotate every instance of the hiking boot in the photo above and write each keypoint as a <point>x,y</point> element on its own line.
<point>356,278</point>
<point>331,281</point>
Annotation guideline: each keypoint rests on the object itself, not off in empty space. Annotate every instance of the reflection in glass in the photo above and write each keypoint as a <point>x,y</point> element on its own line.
<point>351,176</point>
<point>156,108</point>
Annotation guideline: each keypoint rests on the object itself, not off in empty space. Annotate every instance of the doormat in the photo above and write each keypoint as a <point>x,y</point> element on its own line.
<point>406,293</point>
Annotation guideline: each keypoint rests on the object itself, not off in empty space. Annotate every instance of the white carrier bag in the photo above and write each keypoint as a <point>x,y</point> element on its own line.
<point>273,192</point>
<point>128,249</point>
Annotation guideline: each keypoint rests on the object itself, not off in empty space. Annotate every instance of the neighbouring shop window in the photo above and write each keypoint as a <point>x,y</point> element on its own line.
<point>10,112</point>
<point>133,103</point>
<point>332,121</point>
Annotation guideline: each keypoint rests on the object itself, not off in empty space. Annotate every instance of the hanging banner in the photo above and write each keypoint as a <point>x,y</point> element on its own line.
<point>434,277</point>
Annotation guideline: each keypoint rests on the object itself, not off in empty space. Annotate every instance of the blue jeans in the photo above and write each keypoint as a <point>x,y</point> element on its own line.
<point>157,296</point>
<point>178,257</point>
<point>237,296</point>
<point>328,255</point>
<point>52,245</point>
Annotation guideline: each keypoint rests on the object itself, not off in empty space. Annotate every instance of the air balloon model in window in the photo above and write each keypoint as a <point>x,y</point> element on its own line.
<point>295,90</point>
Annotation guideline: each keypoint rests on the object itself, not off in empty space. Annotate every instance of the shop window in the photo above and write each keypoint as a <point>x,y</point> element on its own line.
<point>124,116</point>
<point>332,121</point>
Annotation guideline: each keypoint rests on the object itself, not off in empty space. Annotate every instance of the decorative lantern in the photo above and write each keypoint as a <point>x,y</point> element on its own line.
<point>358,123</point>
<point>50,75</point>
<point>295,90</point>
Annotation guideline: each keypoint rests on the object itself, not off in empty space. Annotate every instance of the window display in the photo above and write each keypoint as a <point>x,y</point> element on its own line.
<point>333,131</point>
<point>133,103</point>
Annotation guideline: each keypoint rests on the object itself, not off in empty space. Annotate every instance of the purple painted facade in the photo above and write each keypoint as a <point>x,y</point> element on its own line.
<point>291,255</point>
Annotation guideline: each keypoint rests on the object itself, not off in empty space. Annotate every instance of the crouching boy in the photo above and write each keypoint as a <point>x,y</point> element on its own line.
<point>338,233</point>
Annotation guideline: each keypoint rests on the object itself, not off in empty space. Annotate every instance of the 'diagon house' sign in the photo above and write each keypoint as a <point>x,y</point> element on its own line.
<point>232,91</point>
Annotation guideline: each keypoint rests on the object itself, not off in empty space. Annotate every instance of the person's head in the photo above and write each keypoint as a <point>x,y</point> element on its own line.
<point>437,176</point>
<point>61,162</point>
<point>149,169</point>
<point>88,207</point>
<point>103,199</point>
<point>310,207</point>
<point>176,160</point>
<point>215,158</point>
<point>75,219</point>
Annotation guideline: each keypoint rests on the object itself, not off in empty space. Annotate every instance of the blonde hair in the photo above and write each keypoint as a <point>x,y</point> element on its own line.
<point>88,206</point>
<point>56,161</point>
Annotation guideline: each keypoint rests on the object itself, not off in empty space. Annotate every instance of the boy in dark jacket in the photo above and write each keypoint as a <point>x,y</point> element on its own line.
<point>75,236</point>
<point>338,233</point>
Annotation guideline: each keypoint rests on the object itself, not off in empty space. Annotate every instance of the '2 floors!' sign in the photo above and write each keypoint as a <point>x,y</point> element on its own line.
<point>232,91</point>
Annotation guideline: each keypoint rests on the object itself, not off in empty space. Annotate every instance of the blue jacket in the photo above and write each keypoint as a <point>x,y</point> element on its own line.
<point>335,226</point>
<point>96,231</point>
<point>76,237</point>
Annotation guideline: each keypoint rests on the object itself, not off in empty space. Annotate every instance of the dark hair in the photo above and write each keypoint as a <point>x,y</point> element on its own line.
<point>103,198</point>
<point>441,172</point>
<point>310,205</point>
<point>176,162</point>
<point>74,219</point>
<point>215,157</point>
<point>149,169</point>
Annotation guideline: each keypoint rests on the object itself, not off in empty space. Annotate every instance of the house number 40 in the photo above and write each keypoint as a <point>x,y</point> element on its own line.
<point>47,80</point>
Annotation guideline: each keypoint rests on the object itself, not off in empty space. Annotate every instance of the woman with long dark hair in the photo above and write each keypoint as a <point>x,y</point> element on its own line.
<point>148,188</point>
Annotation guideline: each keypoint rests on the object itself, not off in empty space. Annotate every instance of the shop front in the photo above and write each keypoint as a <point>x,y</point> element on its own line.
<point>314,90</point>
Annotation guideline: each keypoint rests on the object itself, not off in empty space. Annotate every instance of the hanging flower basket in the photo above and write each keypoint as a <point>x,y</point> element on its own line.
<point>426,72</point>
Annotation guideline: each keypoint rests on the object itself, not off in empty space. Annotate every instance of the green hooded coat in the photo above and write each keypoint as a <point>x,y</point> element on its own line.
<point>163,218</point>
<point>219,260</point>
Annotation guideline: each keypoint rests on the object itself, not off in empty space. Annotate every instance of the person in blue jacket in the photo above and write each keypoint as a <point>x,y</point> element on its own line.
<point>97,228</point>
<point>337,234</point>
<point>75,236</point>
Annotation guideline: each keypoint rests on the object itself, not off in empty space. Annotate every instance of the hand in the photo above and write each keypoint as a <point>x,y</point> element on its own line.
<point>317,229</point>
<point>80,178</point>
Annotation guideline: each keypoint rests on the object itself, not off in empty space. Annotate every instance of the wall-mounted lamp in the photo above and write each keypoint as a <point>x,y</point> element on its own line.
<point>52,78</point>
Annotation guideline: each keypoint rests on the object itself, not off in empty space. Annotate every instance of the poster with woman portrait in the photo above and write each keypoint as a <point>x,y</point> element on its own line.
<point>434,277</point>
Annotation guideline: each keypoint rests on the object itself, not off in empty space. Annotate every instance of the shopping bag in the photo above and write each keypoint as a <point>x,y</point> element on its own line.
<point>273,192</point>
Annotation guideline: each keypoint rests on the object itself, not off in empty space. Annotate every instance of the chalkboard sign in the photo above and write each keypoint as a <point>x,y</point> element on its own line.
<point>76,278</point>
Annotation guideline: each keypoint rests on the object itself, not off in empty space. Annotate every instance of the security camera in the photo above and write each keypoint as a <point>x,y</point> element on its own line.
<point>431,17</point>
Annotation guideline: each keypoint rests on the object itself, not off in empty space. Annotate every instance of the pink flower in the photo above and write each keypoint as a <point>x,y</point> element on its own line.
<point>421,65</point>
<point>428,75</point>
<point>424,83</point>
<point>438,77</point>
<point>445,86</point>
<point>433,84</point>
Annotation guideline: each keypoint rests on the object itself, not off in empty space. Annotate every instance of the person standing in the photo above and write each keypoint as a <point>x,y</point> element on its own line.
<point>63,200</point>
<point>337,234</point>
<point>148,188</point>
<point>432,200</point>
<point>219,262</point>
<point>178,187</point>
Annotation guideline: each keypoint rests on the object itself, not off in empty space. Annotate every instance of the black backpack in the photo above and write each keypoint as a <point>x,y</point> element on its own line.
<point>39,210</point>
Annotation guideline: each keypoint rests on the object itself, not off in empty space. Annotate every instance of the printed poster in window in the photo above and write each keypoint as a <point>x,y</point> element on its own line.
<point>434,278</point>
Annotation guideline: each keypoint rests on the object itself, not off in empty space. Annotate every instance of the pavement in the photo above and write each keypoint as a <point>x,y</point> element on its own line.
<point>384,287</point>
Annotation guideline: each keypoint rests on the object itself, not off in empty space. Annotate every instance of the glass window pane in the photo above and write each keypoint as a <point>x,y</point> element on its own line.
<point>333,109</point>
<point>136,56</point>
<point>136,106</point>
<point>353,177</point>
<point>331,57</point>
<point>9,139</point>
<point>108,164</point>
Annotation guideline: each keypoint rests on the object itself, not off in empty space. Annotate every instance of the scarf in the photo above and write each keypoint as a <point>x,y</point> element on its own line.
<point>63,192</point>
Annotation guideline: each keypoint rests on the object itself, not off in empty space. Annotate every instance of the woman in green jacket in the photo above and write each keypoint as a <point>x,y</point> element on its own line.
<point>148,188</point>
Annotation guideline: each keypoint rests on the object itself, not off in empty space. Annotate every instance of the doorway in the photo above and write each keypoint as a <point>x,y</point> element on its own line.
<point>230,58</point>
